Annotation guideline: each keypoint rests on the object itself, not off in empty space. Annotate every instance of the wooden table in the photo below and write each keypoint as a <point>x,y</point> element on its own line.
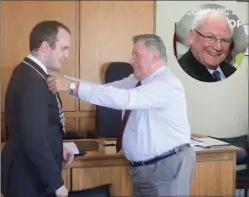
<point>214,174</point>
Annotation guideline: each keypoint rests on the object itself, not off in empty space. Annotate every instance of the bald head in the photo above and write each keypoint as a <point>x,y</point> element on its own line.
<point>208,16</point>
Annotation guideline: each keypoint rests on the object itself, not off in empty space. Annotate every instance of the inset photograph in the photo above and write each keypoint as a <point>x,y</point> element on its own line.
<point>210,42</point>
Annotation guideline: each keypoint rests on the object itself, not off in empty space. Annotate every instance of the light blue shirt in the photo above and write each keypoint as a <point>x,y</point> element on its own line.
<point>222,76</point>
<point>158,121</point>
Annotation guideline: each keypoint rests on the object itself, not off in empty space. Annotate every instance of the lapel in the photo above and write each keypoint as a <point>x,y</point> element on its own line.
<point>57,98</point>
<point>227,69</point>
<point>200,71</point>
<point>36,66</point>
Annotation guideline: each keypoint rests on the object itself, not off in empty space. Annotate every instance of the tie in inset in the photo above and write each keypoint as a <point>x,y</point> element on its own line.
<point>123,124</point>
<point>216,75</point>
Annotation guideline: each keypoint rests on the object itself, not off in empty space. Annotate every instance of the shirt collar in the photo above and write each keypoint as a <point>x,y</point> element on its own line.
<point>153,74</point>
<point>212,70</point>
<point>38,63</point>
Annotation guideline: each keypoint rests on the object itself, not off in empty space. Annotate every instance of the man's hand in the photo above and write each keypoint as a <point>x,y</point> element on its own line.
<point>62,192</point>
<point>68,155</point>
<point>57,82</point>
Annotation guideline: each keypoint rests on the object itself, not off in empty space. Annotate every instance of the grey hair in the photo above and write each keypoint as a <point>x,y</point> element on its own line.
<point>208,14</point>
<point>152,42</point>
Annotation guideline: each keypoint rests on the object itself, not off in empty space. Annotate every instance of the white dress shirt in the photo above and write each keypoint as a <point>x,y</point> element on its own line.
<point>38,62</point>
<point>158,121</point>
<point>211,71</point>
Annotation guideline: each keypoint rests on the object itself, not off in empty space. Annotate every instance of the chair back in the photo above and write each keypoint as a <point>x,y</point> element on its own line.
<point>108,121</point>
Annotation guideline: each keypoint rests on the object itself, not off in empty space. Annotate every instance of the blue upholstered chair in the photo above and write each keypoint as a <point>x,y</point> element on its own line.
<point>242,176</point>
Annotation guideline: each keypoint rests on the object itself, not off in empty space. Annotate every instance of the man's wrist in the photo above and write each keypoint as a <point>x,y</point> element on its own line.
<point>74,88</point>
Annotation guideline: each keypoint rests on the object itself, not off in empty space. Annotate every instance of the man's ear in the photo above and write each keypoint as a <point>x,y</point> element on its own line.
<point>45,47</point>
<point>155,56</point>
<point>191,37</point>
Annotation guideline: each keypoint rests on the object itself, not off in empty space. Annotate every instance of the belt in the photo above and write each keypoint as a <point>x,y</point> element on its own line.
<point>167,154</point>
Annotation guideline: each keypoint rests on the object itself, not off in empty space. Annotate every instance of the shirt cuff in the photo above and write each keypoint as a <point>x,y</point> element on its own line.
<point>72,78</point>
<point>73,95</point>
<point>60,187</point>
<point>85,89</point>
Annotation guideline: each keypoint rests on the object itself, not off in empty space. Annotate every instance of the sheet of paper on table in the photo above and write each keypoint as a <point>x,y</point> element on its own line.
<point>208,142</point>
<point>71,146</point>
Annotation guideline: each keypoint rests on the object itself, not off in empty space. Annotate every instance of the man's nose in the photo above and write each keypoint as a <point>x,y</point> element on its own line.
<point>66,54</point>
<point>218,45</point>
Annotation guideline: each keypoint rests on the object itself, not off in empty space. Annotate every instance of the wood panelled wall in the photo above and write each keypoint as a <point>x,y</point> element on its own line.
<point>101,33</point>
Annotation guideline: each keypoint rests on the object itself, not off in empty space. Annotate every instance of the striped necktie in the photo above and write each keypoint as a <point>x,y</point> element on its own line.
<point>216,75</point>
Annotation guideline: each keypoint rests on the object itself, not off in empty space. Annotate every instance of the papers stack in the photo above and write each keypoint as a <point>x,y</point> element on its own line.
<point>207,142</point>
<point>71,146</point>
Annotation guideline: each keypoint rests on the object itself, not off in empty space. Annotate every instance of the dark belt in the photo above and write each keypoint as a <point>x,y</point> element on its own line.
<point>174,151</point>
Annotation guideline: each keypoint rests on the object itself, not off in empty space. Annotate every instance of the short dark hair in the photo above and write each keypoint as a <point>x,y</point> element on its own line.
<point>45,31</point>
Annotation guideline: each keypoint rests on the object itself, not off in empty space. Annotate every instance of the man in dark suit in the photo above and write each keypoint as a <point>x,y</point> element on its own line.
<point>32,158</point>
<point>210,40</point>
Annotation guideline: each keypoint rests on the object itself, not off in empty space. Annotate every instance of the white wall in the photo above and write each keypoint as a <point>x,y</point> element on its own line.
<point>217,109</point>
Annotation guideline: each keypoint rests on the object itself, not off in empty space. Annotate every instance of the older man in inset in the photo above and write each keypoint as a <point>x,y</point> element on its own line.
<point>210,39</point>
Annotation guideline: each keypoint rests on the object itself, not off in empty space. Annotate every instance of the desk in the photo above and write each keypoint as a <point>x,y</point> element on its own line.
<point>214,173</point>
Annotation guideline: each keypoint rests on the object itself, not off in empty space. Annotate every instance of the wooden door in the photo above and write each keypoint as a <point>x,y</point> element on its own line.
<point>106,30</point>
<point>101,33</point>
<point>17,20</point>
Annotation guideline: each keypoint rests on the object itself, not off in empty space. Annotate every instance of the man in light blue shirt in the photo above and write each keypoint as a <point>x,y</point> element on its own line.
<point>155,137</point>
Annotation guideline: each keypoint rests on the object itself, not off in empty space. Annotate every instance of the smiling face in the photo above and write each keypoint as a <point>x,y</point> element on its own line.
<point>204,44</point>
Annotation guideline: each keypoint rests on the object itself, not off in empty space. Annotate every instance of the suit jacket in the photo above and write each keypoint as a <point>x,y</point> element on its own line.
<point>32,159</point>
<point>198,71</point>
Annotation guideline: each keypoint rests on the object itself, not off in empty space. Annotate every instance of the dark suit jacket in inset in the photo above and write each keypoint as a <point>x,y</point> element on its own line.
<point>198,71</point>
<point>31,161</point>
